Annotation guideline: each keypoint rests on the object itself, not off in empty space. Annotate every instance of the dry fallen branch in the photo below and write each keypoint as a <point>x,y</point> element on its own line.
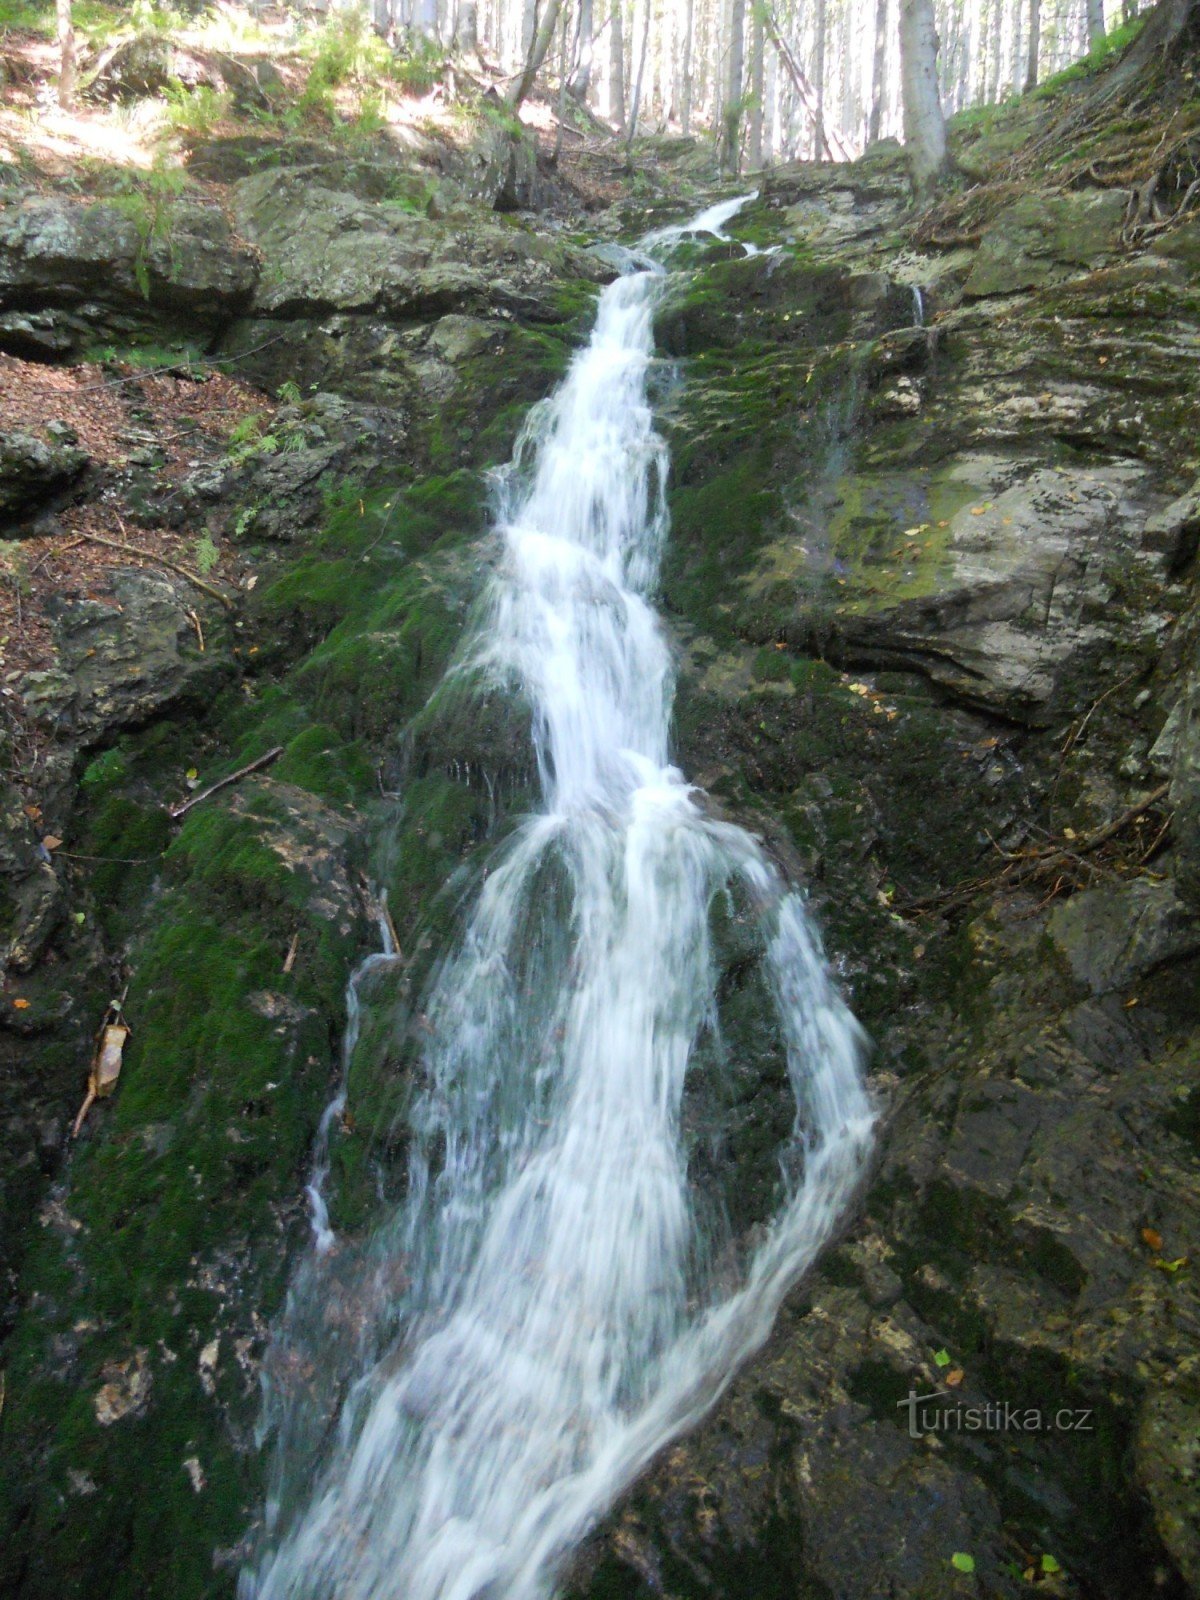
<point>223,783</point>
<point>1058,862</point>
<point>162,561</point>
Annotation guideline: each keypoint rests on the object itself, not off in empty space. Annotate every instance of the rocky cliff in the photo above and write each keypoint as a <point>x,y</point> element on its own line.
<point>932,583</point>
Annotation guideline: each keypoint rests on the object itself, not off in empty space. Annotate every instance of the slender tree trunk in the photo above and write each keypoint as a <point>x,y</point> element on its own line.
<point>616,70</point>
<point>685,96</point>
<point>580,80</point>
<point>924,127</point>
<point>731,153</point>
<point>542,41</point>
<point>819,25</point>
<point>877,70</point>
<point>466,26</point>
<point>1035,40</point>
<point>756,86</point>
<point>563,87</point>
<point>638,81</point>
<point>66,50</point>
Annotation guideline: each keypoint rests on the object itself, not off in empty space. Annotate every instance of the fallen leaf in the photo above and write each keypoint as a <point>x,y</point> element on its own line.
<point>21,1005</point>
<point>955,1376</point>
<point>962,1562</point>
<point>51,841</point>
<point>1152,1237</point>
<point>941,1358</point>
<point>1049,1564</point>
<point>1068,833</point>
<point>976,511</point>
<point>1171,1266</point>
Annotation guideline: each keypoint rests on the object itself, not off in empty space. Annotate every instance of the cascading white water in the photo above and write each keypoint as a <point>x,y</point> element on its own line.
<point>560,1316</point>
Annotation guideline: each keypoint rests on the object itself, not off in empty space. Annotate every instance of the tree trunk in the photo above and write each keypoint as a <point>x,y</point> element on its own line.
<point>685,96</point>
<point>542,40</point>
<point>1035,40</point>
<point>834,145</point>
<point>638,81</point>
<point>731,150</point>
<point>580,80</point>
<point>756,86</point>
<point>924,127</point>
<point>616,68</point>
<point>466,26</point>
<point>66,48</point>
<point>878,71</point>
<point>819,24</point>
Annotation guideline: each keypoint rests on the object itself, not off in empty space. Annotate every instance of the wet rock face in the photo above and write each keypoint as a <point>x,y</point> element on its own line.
<point>933,593</point>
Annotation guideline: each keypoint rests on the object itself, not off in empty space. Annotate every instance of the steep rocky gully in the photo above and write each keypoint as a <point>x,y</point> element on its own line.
<point>931,579</point>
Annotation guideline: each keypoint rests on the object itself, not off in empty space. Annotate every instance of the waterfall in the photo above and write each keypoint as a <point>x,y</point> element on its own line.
<point>554,1311</point>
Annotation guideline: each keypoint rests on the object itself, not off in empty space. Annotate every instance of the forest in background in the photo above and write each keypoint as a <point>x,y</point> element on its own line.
<point>773,80</point>
<point>769,80</point>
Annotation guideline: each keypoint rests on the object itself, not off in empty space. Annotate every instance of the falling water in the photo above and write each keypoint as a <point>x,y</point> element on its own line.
<point>560,1314</point>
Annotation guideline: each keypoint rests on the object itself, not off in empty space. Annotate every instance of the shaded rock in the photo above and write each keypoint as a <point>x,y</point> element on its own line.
<point>150,63</point>
<point>992,601</point>
<point>119,664</point>
<point>32,472</point>
<point>1112,938</point>
<point>325,250</point>
<point>1168,1469</point>
<point>58,253</point>
<point>1184,752</point>
<point>1174,532</point>
<point>1040,236</point>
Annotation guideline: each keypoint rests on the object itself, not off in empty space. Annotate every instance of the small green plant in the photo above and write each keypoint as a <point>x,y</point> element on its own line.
<point>367,124</point>
<point>196,111</point>
<point>206,554</point>
<point>148,202</point>
<point>288,392</point>
<point>419,68</point>
<point>247,440</point>
<point>244,521</point>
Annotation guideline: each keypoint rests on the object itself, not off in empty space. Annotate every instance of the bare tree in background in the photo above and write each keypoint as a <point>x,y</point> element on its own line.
<point>685,87</point>
<point>66,49</point>
<point>757,36</point>
<point>924,125</point>
<point>731,149</point>
<point>1095,23</point>
<point>580,79</point>
<point>616,68</point>
<point>820,25</point>
<point>542,40</point>
<point>1035,41</point>
<point>877,70</point>
<point>640,79</point>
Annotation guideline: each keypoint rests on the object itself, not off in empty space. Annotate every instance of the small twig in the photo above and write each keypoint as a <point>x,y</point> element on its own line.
<point>223,783</point>
<point>199,630</point>
<point>162,561</point>
<point>391,926</point>
<point>289,961</point>
<point>54,551</point>
<point>1033,864</point>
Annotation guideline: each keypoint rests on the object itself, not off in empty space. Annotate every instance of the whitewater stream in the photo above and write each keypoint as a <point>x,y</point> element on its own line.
<point>561,1312</point>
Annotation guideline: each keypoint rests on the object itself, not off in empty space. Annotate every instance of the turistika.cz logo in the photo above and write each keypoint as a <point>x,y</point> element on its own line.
<point>927,1415</point>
